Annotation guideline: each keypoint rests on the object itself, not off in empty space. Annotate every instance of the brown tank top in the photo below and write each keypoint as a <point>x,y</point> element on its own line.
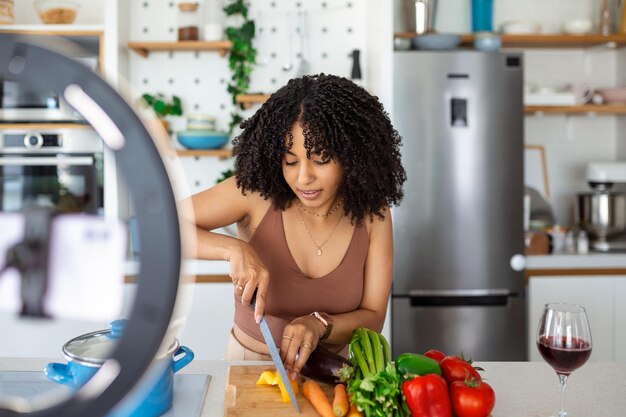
<point>291,293</point>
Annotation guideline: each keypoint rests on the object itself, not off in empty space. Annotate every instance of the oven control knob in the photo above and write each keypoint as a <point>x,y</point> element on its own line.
<point>33,141</point>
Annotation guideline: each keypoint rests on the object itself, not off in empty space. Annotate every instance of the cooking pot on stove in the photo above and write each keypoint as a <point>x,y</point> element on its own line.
<point>86,353</point>
<point>602,214</point>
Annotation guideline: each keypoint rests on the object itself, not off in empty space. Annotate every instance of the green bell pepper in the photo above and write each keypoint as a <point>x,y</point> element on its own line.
<point>412,364</point>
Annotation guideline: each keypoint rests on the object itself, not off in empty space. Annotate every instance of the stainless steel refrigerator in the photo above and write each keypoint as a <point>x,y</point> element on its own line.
<point>458,234</point>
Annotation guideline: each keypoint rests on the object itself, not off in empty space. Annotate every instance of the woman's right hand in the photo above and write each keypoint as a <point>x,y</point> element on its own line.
<point>249,274</point>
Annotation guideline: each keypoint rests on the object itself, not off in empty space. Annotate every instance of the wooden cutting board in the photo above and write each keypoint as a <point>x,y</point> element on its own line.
<point>244,398</point>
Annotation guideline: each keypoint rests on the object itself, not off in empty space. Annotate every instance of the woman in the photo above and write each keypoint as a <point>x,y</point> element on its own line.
<point>316,170</point>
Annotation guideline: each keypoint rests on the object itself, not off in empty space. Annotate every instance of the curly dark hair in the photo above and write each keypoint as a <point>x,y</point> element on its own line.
<point>340,120</point>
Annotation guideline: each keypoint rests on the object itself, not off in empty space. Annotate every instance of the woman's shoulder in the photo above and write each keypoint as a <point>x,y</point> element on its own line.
<point>225,204</point>
<point>377,224</point>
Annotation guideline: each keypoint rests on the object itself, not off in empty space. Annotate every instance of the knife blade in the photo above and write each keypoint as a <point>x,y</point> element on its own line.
<point>278,363</point>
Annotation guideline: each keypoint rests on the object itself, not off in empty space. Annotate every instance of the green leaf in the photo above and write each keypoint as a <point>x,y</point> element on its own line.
<point>247,30</point>
<point>367,384</point>
<point>242,57</point>
<point>148,99</point>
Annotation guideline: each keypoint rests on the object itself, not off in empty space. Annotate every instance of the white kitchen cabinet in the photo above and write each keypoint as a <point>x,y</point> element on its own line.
<point>210,320</point>
<point>602,297</point>
<point>210,311</point>
<point>620,320</point>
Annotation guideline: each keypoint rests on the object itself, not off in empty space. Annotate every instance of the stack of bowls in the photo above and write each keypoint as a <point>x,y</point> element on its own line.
<point>201,133</point>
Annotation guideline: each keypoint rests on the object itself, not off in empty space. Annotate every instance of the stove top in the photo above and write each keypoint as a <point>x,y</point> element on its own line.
<point>189,390</point>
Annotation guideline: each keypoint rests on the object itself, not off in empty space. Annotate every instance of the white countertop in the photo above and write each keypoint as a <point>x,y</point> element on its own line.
<point>523,389</point>
<point>575,261</point>
<point>191,267</point>
<point>559,261</point>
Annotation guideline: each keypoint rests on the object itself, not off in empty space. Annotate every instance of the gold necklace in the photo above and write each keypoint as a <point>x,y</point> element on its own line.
<point>312,213</point>
<point>318,252</point>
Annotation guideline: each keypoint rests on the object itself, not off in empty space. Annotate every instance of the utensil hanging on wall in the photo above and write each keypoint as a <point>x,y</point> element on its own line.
<point>304,66</point>
<point>288,66</point>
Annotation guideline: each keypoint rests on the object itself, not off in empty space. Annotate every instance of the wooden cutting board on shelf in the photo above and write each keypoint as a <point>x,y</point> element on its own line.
<point>244,398</point>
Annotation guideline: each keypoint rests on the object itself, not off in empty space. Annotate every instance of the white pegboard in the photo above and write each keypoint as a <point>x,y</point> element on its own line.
<point>332,29</point>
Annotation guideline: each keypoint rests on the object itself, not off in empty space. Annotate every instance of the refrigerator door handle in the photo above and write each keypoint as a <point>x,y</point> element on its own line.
<point>459,298</point>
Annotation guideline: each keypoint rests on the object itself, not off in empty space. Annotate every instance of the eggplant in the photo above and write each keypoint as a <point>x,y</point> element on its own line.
<point>325,366</point>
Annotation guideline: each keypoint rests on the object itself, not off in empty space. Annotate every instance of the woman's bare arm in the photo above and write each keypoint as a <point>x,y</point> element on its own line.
<point>220,206</point>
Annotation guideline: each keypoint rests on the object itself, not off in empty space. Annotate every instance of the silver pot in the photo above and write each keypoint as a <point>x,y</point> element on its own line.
<point>602,214</point>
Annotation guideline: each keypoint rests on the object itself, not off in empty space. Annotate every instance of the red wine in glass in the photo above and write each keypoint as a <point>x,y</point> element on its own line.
<point>564,341</point>
<point>563,357</point>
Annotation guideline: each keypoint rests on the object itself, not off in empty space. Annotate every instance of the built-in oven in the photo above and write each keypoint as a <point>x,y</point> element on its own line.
<point>61,169</point>
<point>21,102</point>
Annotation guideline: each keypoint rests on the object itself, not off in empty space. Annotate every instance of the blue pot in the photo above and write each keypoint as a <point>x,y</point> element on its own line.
<point>94,349</point>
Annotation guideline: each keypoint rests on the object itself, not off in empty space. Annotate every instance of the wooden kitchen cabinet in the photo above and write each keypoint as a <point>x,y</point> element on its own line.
<point>602,297</point>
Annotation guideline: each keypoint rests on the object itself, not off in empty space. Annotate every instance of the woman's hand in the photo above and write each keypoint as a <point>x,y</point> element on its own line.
<point>300,338</point>
<point>249,274</point>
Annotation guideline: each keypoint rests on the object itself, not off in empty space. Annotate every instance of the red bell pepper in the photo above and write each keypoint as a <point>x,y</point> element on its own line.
<point>427,396</point>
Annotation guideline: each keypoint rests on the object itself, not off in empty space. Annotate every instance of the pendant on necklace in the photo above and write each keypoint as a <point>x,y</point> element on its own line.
<point>319,252</point>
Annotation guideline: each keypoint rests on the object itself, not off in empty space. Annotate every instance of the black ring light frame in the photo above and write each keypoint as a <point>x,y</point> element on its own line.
<point>155,205</point>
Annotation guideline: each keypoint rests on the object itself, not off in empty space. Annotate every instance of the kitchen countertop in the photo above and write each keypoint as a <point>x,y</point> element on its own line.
<point>523,389</point>
<point>575,261</point>
<point>612,262</point>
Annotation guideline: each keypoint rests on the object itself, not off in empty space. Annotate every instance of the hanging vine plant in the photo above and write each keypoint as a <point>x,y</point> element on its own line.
<point>242,56</point>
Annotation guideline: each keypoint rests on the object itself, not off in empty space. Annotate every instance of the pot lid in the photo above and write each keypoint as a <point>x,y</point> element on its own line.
<point>96,347</point>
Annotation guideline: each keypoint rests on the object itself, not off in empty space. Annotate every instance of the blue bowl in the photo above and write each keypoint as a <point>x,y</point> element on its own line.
<point>202,139</point>
<point>437,41</point>
<point>487,41</point>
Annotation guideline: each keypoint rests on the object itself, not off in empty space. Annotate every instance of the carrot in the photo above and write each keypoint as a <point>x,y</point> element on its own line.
<point>354,412</point>
<point>340,402</point>
<point>313,392</point>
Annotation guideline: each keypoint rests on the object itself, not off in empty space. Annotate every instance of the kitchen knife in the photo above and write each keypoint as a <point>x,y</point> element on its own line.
<point>278,363</point>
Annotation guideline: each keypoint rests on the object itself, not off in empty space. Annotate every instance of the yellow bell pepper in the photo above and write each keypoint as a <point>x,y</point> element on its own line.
<point>283,391</point>
<point>273,378</point>
<point>268,378</point>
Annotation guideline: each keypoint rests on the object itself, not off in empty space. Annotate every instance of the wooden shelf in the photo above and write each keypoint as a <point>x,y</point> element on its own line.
<point>605,109</point>
<point>544,41</point>
<point>215,153</point>
<point>144,48</point>
<point>248,100</point>
<point>43,126</point>
<point>59,30</point>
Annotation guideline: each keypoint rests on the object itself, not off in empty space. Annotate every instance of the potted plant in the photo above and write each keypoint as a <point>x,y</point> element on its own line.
<point>163,106</point>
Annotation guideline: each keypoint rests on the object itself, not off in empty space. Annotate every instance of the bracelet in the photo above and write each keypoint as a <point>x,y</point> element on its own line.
<point>327,321</point>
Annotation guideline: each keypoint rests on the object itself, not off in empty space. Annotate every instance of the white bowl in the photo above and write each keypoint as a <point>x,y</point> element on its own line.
<point>577,26</point>
<point>520,27</point>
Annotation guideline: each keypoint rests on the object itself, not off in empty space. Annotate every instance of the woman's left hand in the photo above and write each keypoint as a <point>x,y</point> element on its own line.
<point>299,339</point>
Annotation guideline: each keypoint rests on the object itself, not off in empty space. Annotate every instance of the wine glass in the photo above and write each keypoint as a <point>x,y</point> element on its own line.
<point>564,340</point>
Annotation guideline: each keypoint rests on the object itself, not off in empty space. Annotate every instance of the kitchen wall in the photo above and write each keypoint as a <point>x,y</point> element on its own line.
<point>331,30</point>
<point>200,78</point>
<point>571,141</point>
